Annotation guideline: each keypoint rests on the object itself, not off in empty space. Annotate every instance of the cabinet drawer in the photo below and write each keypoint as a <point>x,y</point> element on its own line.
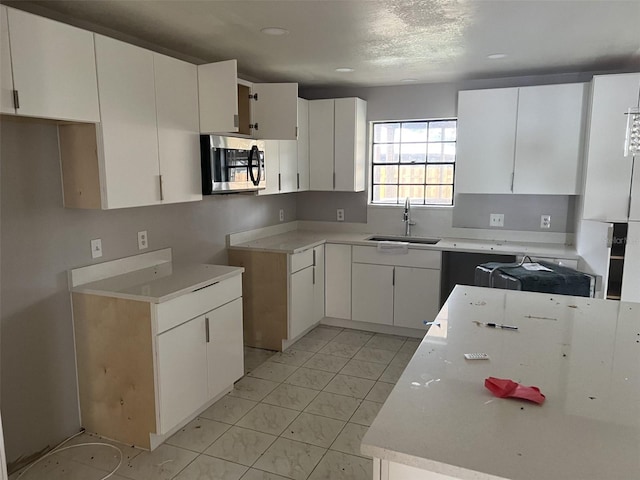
<point>414,258</point>
<point>190,305</point>
<point>301,260</point>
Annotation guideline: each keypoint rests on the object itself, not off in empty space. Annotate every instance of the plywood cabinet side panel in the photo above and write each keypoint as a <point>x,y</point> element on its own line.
<point>114,350</point>
<point>264,297</point>
<point>80,166</point>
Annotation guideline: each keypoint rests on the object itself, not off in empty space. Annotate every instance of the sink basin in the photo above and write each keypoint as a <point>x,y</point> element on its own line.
<point>400,238</point>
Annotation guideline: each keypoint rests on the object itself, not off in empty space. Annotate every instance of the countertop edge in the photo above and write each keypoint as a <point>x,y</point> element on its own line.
<point>164,298</point>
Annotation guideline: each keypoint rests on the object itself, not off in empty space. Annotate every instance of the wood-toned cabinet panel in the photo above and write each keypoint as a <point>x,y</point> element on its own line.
<point>176,84</point>
<point>54,68</point>
<point>372,293</point>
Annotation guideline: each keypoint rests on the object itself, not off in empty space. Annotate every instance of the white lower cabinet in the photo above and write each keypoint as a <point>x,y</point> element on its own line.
<point>182,372</point>
<point>399,290</point>
<point>338,281</point>
<point>416,296</point>
<point>306,291</point>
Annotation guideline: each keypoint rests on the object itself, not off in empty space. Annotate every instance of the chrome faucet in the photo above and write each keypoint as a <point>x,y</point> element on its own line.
<point>406,218</point>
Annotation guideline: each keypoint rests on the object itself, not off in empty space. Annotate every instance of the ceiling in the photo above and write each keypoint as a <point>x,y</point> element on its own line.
<point>387,42</point>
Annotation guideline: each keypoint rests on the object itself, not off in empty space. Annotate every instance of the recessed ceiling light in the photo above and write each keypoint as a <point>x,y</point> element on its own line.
<point>496,56</point>
<point>344,70</point>
<point>409,80</point>
<point>274,31</point>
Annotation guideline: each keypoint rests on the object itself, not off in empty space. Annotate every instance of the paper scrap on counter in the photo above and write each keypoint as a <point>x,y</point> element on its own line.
<point>535,267</point>
<point>505,388</point>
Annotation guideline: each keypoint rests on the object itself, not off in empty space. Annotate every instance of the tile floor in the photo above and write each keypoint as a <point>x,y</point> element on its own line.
<point>298,414</point>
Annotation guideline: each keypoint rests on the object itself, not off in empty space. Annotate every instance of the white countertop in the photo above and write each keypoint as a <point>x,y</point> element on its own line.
<point>299,240</point>
<point>159,283</point>
<point>584,355</point>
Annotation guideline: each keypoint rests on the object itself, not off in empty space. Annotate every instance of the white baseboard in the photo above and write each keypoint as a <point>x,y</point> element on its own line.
<point>374,327</point>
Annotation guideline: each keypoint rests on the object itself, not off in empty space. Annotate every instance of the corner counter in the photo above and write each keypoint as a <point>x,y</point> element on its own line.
<point>440,422</point>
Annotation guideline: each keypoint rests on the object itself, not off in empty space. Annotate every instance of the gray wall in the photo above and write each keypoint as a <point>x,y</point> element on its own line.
<point>440,101</point>
<point>41,241</point>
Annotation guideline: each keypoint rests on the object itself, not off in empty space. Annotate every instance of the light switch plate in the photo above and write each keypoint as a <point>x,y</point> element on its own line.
<point>143,240</point>
<point>340,214</point>
<point>96,248</point>
<point>496,220</point>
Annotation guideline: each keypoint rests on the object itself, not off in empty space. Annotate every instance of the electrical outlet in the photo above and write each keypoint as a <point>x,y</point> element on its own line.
<point>96,248</point>
<point>143,240</point>
<point>282,214</point>
<point>545,221</point>
<point>496,220</point>
<point>340,214</point>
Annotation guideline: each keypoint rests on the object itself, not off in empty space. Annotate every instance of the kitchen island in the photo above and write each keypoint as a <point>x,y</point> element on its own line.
<point>440,422</point>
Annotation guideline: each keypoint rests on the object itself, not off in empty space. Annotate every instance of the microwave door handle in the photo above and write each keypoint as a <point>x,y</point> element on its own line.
<point>254,151</point>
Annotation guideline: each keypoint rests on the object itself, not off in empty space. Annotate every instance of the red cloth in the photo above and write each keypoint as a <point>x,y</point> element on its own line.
<point>503,388</point>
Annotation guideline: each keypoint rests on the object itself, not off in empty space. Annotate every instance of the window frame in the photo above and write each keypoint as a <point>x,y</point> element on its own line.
<point>372,184</point>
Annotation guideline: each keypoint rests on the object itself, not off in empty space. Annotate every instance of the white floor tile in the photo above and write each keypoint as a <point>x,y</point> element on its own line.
<point>291,459</point>
<point>268,419</point>
<point>314,429</point>
<point>208,468</point>
<point>291,396</point>
<point>324,332</point>
<point>386,342</point>
<point>292,357</point>
<point>253,388</point>
<point>228,409</point>
<point>309,378</point>
<point>254,474</point>
<point>161,464</point>
<point>240,445</point>
<point>379,392</point>
<point>340,349</point>
<point>366,413</point>
<point>275,372</point>
<point>198,434</point>
<point>351,386</point>
<point>350,439</point>
<point>332,405</point>
<point>376,355</point>
<point>341,466</point>
<point>327,363</point>
<point>358,368</point>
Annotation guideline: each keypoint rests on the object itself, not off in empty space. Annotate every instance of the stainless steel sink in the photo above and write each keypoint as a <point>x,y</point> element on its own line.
<point>401,238</point>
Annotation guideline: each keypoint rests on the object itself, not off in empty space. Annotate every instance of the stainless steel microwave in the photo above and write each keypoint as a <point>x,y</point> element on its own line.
<point>231,164</point>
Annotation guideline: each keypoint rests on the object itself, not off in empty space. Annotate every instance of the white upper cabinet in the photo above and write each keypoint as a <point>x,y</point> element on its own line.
<point>486,140</point>
<point>520,140</point>
<point>271,167</point>
<point>176,84</point>
<point>53,66</point>
<point>631,272</point>
<point>218,96</point>
<point>128,128</point>
<point>6,76</point>
<point>275,110</point>
<point>288,166</point>
<point>337,144</point>
<point>303,145</point>
<point>549,139</point>
<point>634,207</point>
<point>229,105</point>
<point>321,132</point>
<point>608,171</point>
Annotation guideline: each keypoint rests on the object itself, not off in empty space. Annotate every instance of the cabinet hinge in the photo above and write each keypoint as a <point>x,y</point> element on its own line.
<point>253,96</point>
<point>206,329</point>
<point>16,99</point>
<point>253,126</point>
<point>236,121</point>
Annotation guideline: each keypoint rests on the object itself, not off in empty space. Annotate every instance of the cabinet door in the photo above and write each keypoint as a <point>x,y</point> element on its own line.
<point>634,207</point>
<point>303,145</point>
<point>631,271</point>
<point>182,372</point>
<point>349,144</point>
<point>338,281</point>
<point>549,139</point>
<point>301,302</point>
<point>288,166</point>
<point>606,191</point>
<point>276,110</point>
<point>416,296</point>
<point>321,133</point>
<point>178,131</point>
<point>218,97</point>
<point>372,293</point>
<point>54,68</point>
<point>486,140</point>
<point>271,167</point>
<point>129,133</point>
<point>6,76</point>
<point>318,283</point>
<point>225,354</point>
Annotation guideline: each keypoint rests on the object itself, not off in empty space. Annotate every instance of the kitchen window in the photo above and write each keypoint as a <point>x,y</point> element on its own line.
<point>414,159</point>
